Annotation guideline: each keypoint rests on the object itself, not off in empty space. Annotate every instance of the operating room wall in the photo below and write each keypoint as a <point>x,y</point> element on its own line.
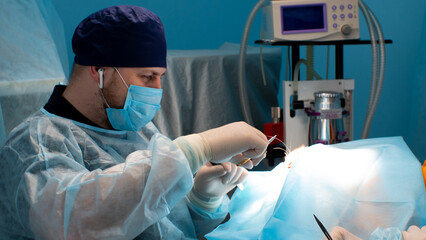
<point>403,23</point>
<point>189,24</point>
<point>417,138</point>
<point>206,24</point>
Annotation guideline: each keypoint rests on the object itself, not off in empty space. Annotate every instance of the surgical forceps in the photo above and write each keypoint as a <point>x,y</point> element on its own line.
<point>248,159</point>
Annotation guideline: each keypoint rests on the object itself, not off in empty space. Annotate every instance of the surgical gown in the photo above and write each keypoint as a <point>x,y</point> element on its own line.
<point>66,180</point>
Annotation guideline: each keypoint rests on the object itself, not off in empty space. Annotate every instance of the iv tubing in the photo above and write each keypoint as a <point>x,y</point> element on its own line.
<point>241,67</point>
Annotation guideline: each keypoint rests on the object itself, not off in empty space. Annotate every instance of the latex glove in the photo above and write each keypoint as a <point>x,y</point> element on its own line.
<point>414,233</point>
<point>339,233</point>
<point>218,180</point>
<point>236,142</point>
<point>212,182</point>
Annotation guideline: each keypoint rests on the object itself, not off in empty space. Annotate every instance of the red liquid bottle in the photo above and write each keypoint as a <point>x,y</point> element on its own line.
<point>276,127</point>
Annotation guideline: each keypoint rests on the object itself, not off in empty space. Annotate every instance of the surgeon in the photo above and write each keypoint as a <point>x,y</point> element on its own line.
<point>91,164</point>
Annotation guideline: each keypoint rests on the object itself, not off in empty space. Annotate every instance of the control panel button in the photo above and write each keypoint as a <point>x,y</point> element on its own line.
<point>342,16</point>
<point>350,6</point>
<point>334,16</point>
<point>350,15</point>
<point>334,7</point>
<point>334,25</point>
<point>346,29</point>
<point>342,7</point>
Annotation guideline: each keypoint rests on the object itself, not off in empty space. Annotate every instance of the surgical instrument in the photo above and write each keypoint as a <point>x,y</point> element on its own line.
<point>322,228</point>
<point>247,159</point>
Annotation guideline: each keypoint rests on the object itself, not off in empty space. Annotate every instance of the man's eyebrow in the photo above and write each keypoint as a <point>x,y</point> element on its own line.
<point>152,72</point>
<point>158,73</point>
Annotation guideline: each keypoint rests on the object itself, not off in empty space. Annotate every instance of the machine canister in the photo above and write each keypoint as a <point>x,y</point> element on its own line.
<point>326,119</point>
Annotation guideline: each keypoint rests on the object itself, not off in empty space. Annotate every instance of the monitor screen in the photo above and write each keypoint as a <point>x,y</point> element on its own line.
<point>304,18</point>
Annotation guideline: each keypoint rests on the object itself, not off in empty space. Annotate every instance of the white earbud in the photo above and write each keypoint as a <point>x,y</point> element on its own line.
<point>101,78</point>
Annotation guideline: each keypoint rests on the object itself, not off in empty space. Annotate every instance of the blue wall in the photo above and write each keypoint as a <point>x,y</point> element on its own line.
<point>204,24</point>
<point>189,24</point>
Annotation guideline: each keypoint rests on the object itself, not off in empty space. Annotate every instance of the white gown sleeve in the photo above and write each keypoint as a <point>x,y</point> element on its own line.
<point>58,198</point>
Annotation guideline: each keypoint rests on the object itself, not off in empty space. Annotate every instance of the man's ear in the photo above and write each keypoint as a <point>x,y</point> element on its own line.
<point>97,74</point>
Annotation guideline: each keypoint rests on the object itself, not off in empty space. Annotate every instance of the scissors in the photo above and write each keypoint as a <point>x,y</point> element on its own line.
<point>327,235</point>
<point>248,159</point>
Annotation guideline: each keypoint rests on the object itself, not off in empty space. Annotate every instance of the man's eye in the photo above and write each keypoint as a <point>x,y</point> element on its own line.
<point>147,77</point>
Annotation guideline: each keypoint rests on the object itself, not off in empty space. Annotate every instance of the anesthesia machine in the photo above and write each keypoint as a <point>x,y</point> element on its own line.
<point>317,110</point>
<point>317,20</point>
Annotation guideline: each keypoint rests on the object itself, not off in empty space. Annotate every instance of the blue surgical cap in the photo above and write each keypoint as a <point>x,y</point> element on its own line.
<point>120,36</point>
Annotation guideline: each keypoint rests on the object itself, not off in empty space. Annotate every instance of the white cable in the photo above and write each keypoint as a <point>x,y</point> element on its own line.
<point>241,67</point>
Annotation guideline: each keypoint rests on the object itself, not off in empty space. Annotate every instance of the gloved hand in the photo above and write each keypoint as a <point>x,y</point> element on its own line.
<point>236,142</point>
<point>212,182</point>
<point>414,233</point>
<point>217,180</point>
<point>233,142</point>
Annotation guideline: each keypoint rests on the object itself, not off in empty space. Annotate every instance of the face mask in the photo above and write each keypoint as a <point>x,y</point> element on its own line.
<point>141,105</point>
